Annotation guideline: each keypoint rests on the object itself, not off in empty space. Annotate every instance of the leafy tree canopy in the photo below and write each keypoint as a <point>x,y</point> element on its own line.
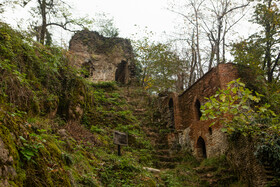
<point>160,65</point>
<point>239,110</point>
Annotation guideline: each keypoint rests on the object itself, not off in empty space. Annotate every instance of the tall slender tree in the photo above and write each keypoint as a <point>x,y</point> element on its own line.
<point>208,22</point>
<point>262,49</point>
<point>53,13</point>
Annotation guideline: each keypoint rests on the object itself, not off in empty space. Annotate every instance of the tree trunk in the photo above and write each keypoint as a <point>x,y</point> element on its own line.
<point>197,45</point>
<point>218,39</point>
<point>267,58</point>
<point>42,4</point>
<point>193,63</point>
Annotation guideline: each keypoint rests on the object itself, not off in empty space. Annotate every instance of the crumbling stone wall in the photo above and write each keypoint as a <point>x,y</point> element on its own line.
<point>101,58</point>
<point>241,156</point>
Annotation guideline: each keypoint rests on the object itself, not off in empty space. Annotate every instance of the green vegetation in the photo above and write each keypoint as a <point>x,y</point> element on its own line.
<point>210,172</point>
<point>241,112</point>
<point>161,69</point>
<point>236,108</point>
<point>40,96</point>
<point>57,127</point>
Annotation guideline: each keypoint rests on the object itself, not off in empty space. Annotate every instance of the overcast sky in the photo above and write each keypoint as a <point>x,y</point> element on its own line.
<point>128,13</point>
<point>130,16</point>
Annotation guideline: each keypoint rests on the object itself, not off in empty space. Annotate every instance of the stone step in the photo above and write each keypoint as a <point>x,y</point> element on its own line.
<point>201,170</point>
<point>165,165</point>
<point>273,184</point>
<point>151,129</point>
<point>163,152</point>
<point>164,158</point>
<point>161,140</point>
<point>162,146</point>
<point>269,172</point>
<point>152,135</point>
<point>139,110</point>
<point>269,177</point>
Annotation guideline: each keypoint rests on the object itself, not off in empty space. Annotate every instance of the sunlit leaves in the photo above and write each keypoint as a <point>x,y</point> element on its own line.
<point>237,108</point>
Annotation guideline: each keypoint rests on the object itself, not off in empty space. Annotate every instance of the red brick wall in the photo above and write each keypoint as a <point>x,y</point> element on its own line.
<point>187,121</point>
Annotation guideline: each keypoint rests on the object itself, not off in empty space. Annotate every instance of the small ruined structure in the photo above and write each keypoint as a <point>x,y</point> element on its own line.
<point>183,114</point>
<point>102,58</point>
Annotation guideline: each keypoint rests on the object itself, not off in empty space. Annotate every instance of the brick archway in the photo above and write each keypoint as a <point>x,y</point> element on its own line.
<point>201,148</point>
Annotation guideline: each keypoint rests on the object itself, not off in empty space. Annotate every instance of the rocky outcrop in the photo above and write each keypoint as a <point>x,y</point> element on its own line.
<point>101,58</point>
<point>7,170</point>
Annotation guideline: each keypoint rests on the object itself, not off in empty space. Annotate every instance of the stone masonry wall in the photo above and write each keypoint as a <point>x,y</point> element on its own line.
<point>101,58</point>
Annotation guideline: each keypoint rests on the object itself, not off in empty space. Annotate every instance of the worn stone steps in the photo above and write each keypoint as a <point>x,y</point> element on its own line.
<point>204,169</point>
<point>166,158</point>
<point>151,130</point>
<point>163,152</point>
<point>270,177</point>
<point>152,135</point>
<point>161,146</point>
<point>166,165</point>
<point>210,177</point>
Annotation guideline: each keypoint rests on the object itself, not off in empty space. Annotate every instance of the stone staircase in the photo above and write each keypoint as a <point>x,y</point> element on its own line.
<point>153,126</point>
<point>211,176</point>
<point>271,177</point>
<point>156,129</point>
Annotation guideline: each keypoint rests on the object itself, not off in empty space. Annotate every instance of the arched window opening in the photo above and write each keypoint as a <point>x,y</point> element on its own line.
<point>87,69</point>
<point>197,106</point>
<point>201,148</point>
<point>171,114</point>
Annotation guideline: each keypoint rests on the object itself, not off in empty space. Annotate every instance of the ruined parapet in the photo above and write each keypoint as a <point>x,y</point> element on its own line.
<point>102,58</point>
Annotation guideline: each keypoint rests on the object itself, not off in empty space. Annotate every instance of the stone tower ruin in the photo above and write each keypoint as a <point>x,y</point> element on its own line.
<point>101,58</point>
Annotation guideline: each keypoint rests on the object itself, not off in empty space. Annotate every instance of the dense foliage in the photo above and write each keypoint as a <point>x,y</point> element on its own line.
<point>240,112</point>
<point>161,68</point>
<point>261,50</point>
<point>41,94</point>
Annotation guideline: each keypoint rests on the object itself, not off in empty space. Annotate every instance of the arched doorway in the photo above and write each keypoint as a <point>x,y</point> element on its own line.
<point>121,74</point>
<point>201,148</point>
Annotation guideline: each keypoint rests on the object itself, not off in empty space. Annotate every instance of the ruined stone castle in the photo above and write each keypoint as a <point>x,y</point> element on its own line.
<point>111,59</point>
<point>101,58</point>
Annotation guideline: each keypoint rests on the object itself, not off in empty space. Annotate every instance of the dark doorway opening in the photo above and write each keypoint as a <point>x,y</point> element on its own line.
<point>171,114</point>
<point>87,69</point>
<point>201,148</point>
<point>197,106</point>
<point>121,75</point>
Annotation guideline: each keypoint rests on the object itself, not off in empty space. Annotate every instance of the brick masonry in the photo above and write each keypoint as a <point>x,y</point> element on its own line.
<point>192,133</point>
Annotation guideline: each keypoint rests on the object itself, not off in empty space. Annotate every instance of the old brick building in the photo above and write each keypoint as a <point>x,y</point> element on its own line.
<point>184,114</point>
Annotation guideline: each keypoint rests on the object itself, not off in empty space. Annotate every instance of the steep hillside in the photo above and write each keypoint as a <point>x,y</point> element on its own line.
<point>56,128</point>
